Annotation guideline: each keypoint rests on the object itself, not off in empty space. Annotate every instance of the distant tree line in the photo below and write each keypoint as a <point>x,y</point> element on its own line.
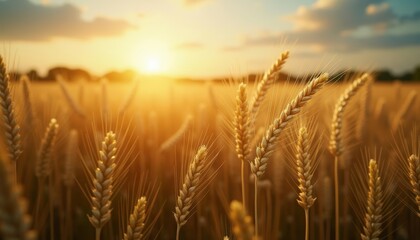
<point>128,75</point>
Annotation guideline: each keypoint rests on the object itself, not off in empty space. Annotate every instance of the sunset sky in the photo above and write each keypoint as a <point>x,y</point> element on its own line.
<point>210,38</point>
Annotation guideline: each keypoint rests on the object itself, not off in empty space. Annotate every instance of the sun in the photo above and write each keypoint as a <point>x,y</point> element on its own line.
<point>153,65</point>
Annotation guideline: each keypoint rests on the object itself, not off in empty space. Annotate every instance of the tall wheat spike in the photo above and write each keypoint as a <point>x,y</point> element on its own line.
<point>15,222</point>
<point>266,147</point>
<point>414,175</point>
<point>242,226</point>
<point>11,127</point>
<point>373,219</point>
<point>43,166</point>
<point>188,192</point>
<point>136,222</point>
<point>242,134</point>
<point>103,184</point>
<point>335,145</point>
<point>304,174</point>
<point>265,84</point>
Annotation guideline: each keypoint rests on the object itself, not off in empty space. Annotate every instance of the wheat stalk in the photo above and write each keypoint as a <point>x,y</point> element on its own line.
<point>265,84</point>
<point>136,222</point>
<point>188,192</point>
<point>414,174</point>
<point>15,222</point>
<point>12,130</point>
<point>266,147</point>
<point>71,155</point>
<point>404,110</point>
<point>337,121</point>
<point>304,174</point>
<point>29,115</point>
<point>242,135</point>
<point>103,184</point>
<point>242,226</point>
<point>335,139</point>
<point>373,218</point>
<point>43,166</point>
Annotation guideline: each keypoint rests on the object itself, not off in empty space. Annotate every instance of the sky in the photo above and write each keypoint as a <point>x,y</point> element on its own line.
<point>210,38</point>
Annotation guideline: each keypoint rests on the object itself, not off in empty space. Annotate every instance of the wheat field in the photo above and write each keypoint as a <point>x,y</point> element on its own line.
<point>271,159</point>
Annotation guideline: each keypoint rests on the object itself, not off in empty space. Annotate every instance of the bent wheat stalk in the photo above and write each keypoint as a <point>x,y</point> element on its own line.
<point>70,100</point>
<point>103,184</point>
<point>335,145</point>
<point>266,148</point>
<point>188,192</point>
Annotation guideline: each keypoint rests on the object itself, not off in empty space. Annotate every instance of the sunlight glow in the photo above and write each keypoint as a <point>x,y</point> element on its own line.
<point>153,65</point>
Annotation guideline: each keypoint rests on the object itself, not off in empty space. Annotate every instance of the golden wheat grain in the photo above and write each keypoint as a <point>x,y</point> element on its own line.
<point>11,127</point>
<point>136,222</point>
<point>188,191</point>
<point>414,174</point>
<point>103,184</point>
<point>373,219</point>
<point>241,223</point>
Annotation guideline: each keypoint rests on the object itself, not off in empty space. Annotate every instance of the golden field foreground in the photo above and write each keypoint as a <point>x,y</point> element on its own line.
<point>175,160</point>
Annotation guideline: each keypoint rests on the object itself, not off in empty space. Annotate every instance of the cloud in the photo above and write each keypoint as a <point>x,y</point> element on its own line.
<point>24,20</point>
<point>189,46</point>
<point>341,25</point>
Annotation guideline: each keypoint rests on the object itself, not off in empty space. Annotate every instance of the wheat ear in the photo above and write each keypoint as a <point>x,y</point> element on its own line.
<point>335,140</point>
<point>266,147</point>
<point>136,222</point>
<point>304,174</point>
<point>9,119</point>
<point>242,135</point>
<point>43,166</point>
<point>265,84</point>
<point>70,100</point>
<point>335,147</point>
<point>103,184</point>
<point>188,192</point>
<point>414,174</point>
<point>15,222</point>
<point>242,226</point>
<point>373,218</point>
